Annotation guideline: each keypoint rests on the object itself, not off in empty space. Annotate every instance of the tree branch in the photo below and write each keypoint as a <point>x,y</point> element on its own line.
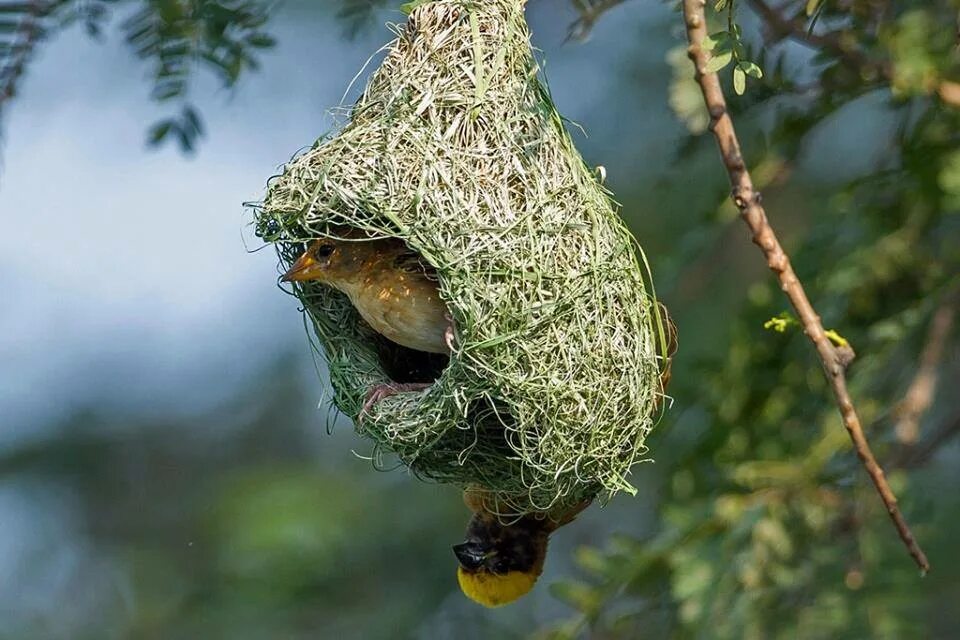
<point>845,50</point>
<point>949,92</point>
<point>590,11</point>
<point>919,454</point>
<point>748,201</point>
<point>796,29</point>
<point>919,395</point>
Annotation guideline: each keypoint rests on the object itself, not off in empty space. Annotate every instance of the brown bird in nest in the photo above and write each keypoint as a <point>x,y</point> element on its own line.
<point>393,289</point>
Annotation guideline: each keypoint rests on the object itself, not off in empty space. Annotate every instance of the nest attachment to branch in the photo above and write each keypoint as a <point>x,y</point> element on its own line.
<point>456,148</point>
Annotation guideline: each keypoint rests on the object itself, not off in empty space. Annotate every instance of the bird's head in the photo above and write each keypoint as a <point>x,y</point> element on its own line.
<point>328,260</point>
<point>498,562</point>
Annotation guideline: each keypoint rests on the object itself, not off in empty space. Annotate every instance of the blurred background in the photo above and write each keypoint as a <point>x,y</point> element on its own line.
<point>168,468</point>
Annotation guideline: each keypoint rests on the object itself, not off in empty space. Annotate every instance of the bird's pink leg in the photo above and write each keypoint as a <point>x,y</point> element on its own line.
<point>381,391</point>
<point>448,332</point>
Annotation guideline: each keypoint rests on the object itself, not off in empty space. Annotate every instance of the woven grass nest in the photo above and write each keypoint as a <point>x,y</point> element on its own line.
<point>456,148</point>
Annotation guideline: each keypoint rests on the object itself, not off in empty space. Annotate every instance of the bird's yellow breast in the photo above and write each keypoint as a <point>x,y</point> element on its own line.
<point>493,590</point>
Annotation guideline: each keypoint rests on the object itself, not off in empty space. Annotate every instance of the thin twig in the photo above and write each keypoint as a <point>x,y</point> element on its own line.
<point>835,359</point>
<point>590,11</point>
<point>919,395</point>
<point>796,29</point>
<point>919,454</point>
<point>845,50</point>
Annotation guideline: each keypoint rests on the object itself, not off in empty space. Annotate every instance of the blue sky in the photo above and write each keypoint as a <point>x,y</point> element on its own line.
<point>125,274</point>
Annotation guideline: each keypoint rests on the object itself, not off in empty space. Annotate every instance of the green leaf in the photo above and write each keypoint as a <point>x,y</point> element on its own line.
<point>261,40</point>
<point>739,80</point>
<point>593,561</point>
<point>685,98</point>
<point>716,41</point>
<point>780,323</point>
<point>719,61</point>
<point>751,69</point>
<point>191,119</point>
<point>158,132</point>
<point>578,595</point>
<point>811,6</point>
<point>166,90</point>
<point>948,179</point>
<point>837,339</point>
<point>720,5</point>
<point>408,7</point>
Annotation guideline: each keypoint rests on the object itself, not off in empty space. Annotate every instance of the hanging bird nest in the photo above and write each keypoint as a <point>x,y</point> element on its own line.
<point>456,148</point>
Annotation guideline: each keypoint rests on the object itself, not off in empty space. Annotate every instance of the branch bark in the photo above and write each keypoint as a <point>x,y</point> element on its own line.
<point>834,359</point>
<point>919,395</point>
<point>919,454</point>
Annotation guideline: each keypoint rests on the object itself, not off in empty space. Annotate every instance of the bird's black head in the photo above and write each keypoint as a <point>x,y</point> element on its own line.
<point>471,554</point>
<point>498,548</point>
<point>500,562</point>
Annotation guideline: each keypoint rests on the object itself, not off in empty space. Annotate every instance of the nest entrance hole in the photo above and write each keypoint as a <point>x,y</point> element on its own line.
<point>404,365</point>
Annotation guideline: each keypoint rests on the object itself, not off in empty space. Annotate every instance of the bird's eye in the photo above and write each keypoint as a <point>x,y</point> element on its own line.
<point>323,251</point>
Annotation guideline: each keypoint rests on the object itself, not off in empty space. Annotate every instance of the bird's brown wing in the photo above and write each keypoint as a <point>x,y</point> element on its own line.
<point>409,261</point>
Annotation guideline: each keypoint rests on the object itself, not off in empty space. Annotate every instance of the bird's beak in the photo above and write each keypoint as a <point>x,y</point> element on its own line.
<point>470,555</point>
<point>303,269</point>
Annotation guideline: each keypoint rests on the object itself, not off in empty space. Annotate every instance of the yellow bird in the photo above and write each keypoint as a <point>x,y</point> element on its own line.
<point>501,562</point>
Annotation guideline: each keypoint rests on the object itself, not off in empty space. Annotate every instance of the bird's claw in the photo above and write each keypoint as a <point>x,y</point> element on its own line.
<point>385,390</point>
<point>448,337</point>
<point>375,395</point>
<point>448,332</point>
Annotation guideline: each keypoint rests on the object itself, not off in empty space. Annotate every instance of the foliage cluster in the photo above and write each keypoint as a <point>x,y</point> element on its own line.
<point>175,38</point>
<point>769,528</point>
